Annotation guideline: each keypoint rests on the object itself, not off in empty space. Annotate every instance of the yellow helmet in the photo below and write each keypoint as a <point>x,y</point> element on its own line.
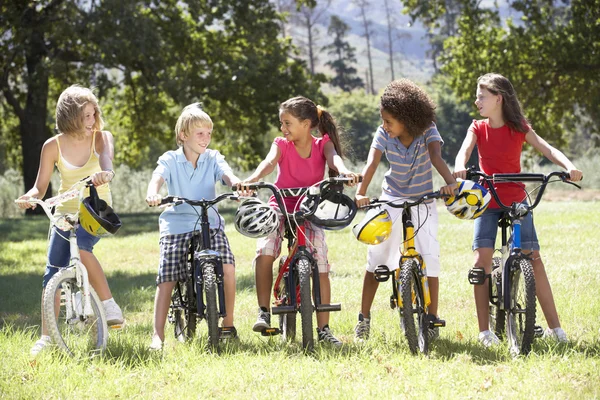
<point>374,228</point>
<point>97,217</point>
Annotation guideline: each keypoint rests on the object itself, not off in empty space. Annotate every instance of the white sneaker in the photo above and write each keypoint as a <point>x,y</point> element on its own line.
<point>156,345</point>
<point>40,345</point>
<point>114,315</point>
<point>557,334</point>
<point>488,338</point>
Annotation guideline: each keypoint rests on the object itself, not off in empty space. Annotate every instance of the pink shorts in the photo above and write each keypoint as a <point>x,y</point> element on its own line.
<point>315,243</point>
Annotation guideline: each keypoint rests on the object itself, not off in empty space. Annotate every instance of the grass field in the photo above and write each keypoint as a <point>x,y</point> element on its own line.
<point>258,367</point>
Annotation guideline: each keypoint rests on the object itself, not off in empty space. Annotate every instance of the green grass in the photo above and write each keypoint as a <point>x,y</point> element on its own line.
<point>258,367</point>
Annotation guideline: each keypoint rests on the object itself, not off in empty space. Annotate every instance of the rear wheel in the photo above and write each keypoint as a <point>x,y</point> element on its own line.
<point>414,318</point>
<point>183,307</point>
<point>497,315</point>
<point>520,318</point>
<point>72,331</point>
<point>306,308</point>
<point>210,293</point>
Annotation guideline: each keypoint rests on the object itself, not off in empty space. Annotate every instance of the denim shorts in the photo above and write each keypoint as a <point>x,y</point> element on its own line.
<point>59,251</point>
<point>486,230</point>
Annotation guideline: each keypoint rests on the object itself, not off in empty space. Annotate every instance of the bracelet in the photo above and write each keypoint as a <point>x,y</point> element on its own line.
<point>112,172</point>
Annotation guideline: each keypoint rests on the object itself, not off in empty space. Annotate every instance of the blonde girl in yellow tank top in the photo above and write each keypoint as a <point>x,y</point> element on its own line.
<point>80,149</point>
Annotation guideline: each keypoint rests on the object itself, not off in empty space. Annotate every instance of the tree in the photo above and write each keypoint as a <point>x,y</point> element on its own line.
<point>149,58</point>
<point>363,6</point>
<point>345,77</point>
<point>309,16</point>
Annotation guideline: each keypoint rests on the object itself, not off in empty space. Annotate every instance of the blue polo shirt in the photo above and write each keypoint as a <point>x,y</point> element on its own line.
<point>409,175</point>
<point>192,183</point>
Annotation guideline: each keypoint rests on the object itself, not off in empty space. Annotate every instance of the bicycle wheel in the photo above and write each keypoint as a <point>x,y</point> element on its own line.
<point>497,315</point>
<point>287,326</point>
<point>210,297</point>
<point>306,308</point>
<point>69,329</point>
<point>183,309</point>
<point>414,318</point>
<point>520,317</point>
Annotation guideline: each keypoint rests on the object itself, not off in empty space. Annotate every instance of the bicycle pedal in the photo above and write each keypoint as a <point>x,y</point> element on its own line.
<point>437,323</point>
<point>117,327</point>
<point>538,331</point>
<point>270,332</point>
<point>393,303</point>
<point>382,273</point>
<point>477,276</point>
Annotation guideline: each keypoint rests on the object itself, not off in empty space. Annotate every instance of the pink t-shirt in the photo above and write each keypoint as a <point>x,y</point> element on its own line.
<point>294,171</point>
<point>500,152</point>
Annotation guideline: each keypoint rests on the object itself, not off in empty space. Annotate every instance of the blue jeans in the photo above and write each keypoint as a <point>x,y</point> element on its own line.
<point>486,230</point>
<point>59,251</point>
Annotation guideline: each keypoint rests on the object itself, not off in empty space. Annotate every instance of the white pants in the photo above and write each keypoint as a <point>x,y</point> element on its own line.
<point>425,219</point>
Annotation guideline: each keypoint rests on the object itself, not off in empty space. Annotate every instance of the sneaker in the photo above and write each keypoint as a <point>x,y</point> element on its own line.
<point>114,315</point>
<point>228,333</point>
<point>488,338</point>
<point>263,321</point>
<point>362,329</point>
<point>325,335</point>
<point>557,334</point>
<point>156,345</point>
<point>40,345</point>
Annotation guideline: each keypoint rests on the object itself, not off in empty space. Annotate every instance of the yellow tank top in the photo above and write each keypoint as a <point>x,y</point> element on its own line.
<point>69,175</point>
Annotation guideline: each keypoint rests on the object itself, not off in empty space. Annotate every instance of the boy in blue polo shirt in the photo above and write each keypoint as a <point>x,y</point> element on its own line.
<point>192,172</point>
<point>412,144</point>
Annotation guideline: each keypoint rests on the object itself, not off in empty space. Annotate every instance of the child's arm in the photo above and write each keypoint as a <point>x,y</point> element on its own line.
<point>435,154</point>
<point>105,142</point>
<point>266,166</point>
<point>230,179</point>
<point>48,158</point>
<point>335,162</point>
<point>553,154</point>
<point>367,173</point>
<point>463,155</point>
<point>153,198</point>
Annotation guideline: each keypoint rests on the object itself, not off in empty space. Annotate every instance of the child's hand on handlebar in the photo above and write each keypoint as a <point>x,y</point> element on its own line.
<point>449,189</point>
<point>575,175</point>
<point>243,190</point>
<point>153,200</point>
<point>350,174</point>
<point>460,173</point>
<point>23,202</point>
<point>102,177</point>
<point>361,200</point>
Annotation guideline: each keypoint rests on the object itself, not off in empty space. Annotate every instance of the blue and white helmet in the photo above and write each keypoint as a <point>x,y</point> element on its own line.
<point>470,202</point>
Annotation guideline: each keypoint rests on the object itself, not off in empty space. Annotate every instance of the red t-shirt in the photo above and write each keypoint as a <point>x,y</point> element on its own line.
<point>500,152</point>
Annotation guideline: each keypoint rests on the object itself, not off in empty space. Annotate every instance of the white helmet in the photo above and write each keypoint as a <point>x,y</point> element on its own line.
<point>470,202</point>
<point>334,211</point>
<point>254,219</point>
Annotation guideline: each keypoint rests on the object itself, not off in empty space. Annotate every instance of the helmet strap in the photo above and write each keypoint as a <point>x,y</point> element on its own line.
<point>94,199</point>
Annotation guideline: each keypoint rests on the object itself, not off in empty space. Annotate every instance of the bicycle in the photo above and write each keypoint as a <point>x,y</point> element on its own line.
<point>202,295</point>
<point>410,287</point>
<point>512,283</point>
<point>71,309</point>
<point>298,268</point>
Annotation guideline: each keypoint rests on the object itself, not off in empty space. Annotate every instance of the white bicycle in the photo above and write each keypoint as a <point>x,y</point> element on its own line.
<point>71,309</point>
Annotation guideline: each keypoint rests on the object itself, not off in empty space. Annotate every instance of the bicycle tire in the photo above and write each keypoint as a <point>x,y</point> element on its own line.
<point>80,336</point>
<point>287,326</point>
<point>210,297</point>
<point>414,318</point>
<point>306,308</point>
<point>184,317</point>
<point>497,315</point>
<point>520,317</point>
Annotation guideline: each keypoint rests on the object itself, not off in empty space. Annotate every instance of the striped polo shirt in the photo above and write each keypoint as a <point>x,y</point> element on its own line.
<point>409,175</point>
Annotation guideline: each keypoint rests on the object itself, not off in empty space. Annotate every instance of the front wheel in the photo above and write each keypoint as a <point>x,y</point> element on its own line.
<point>520,317</point>
<point>412,312</point>
<point>63,312</point>
<point>183,307</point>
<point>210,293</point>
<point>306,308</point>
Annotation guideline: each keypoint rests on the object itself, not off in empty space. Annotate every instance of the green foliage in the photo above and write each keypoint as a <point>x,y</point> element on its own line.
<point>358,114</point>
<point>345,75</point>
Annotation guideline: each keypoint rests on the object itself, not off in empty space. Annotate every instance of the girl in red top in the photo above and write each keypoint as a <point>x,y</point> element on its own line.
<point>499,140</point>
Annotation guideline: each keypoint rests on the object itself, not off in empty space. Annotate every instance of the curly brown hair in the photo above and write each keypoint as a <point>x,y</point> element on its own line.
<point>408,104</point>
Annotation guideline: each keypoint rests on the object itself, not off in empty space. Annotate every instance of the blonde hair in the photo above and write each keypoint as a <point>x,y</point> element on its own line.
<point>192,116</point>
<point>69,111</point>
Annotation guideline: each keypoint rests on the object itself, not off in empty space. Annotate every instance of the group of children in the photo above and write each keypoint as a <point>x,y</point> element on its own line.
<point>408,137</point>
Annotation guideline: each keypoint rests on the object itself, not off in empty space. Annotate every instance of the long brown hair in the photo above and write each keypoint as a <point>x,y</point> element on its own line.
<point>305,109</point>
<point>69,110</point>
<point>512,112</point>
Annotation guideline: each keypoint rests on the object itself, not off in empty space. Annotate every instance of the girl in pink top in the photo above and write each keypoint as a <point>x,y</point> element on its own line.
<point>301,159</point>
<point>499,140</point>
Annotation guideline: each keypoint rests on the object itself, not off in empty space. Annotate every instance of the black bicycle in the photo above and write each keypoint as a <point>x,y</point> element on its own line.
<point>202,295</point>
<point>512,282</point>
<point>292,288</point>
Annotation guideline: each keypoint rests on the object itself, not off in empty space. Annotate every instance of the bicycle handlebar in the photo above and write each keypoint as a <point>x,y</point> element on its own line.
<point>176,200</point>
<point>519,177</point>
<point>406,204</point>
